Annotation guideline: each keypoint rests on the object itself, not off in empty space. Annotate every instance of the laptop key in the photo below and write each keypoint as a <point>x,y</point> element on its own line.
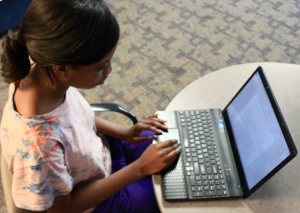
<point>192,181</point>
<point>198,194</point>
<point>220,193</point>
<point>207,164</point>
<point>200,156</point>
<point>196,168</point>
<point>202,169</point>
<point>186,143</point>
<point>214,169</point>
<point>208,170</point>
<point>199,182</point>
<point>210,193</point>
<point>200,188</point>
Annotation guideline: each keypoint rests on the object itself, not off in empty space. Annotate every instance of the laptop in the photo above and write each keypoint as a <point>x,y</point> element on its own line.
<point>230,152</point>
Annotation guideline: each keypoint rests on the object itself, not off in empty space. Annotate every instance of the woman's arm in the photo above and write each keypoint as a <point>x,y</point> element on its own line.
<point>155,158</point>
<point>108,128</point>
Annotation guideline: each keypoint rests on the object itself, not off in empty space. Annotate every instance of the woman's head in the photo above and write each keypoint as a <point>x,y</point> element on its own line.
<point>59,32</point>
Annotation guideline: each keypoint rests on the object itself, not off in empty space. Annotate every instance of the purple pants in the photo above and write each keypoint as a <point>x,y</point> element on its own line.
<point>139,196</point>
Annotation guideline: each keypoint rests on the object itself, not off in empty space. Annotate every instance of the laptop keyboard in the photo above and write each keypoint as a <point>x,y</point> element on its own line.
<point>202,163</point>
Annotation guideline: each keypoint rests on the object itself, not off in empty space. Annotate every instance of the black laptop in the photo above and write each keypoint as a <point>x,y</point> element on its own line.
<point>230,152</point>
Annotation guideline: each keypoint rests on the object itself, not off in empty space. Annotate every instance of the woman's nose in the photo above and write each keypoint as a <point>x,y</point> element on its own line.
<point>108,69</point>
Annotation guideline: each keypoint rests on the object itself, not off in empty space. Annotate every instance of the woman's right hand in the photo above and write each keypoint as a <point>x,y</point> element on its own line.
<point>158,156</point>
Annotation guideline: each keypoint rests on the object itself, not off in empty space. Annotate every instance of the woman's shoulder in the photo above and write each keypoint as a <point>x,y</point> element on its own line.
<point>31,103</point>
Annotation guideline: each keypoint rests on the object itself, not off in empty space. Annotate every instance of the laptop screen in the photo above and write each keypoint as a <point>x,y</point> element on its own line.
<point>258,136</point>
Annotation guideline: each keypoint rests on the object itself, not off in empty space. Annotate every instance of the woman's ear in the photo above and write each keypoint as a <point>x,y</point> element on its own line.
<point>60,70</point>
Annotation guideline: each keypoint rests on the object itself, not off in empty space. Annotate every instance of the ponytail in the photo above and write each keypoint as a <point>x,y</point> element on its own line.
<point>15,58</point>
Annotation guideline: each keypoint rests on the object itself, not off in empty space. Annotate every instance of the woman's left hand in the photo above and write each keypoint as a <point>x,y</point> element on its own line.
<point>152,123</point>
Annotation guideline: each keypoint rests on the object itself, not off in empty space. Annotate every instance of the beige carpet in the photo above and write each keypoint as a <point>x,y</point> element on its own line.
<point>167,44</point>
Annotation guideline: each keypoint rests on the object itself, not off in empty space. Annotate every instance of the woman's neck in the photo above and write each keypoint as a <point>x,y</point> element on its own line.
<point>37,95</point>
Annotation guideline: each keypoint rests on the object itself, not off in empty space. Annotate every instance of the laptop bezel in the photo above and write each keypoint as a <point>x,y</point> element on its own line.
<point>284,129</point>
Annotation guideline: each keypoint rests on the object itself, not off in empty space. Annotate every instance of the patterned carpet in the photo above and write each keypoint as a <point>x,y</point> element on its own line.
<point>167,44</point>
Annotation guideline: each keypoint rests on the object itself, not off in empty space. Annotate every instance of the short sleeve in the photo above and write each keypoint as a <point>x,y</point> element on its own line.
<point>35,187</point>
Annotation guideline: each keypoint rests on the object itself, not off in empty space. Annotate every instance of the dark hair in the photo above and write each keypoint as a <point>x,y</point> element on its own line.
<point>59,32</point>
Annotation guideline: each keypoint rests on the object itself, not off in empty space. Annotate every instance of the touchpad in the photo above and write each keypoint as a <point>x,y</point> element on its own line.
<point>171,134</point>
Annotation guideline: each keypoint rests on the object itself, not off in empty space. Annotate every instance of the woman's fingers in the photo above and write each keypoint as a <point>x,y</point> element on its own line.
<point>151,125</point>
<point>170,152</point>
<point>159,120</point>
<point>168,143</point>
<point>158,156</point>
<point>143,127</point>
<point>153,115</point>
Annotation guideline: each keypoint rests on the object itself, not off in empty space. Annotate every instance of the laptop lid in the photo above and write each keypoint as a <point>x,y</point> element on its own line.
<point>259,136</point>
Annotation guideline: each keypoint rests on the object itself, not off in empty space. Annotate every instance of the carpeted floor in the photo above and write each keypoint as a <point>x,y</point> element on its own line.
<point>167,44</point>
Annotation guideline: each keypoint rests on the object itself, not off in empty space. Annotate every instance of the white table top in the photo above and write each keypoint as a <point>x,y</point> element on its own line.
<point>282,192</point>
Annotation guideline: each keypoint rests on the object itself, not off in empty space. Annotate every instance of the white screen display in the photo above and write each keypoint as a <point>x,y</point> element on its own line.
<point>259,139</point>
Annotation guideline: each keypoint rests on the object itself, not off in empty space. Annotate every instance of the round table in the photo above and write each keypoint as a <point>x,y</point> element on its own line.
<point>282,192</point>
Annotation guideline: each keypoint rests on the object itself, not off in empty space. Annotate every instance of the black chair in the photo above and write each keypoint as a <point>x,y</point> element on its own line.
<point>114,107</point>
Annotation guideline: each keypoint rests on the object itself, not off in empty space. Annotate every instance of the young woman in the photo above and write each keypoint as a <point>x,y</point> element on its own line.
<point>49,134</point>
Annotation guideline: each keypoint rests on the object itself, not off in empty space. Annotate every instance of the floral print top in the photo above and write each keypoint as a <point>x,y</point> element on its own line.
<point>48,154</point>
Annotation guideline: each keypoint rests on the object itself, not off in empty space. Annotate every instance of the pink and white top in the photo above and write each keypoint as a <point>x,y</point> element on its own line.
<point>48,154</point>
